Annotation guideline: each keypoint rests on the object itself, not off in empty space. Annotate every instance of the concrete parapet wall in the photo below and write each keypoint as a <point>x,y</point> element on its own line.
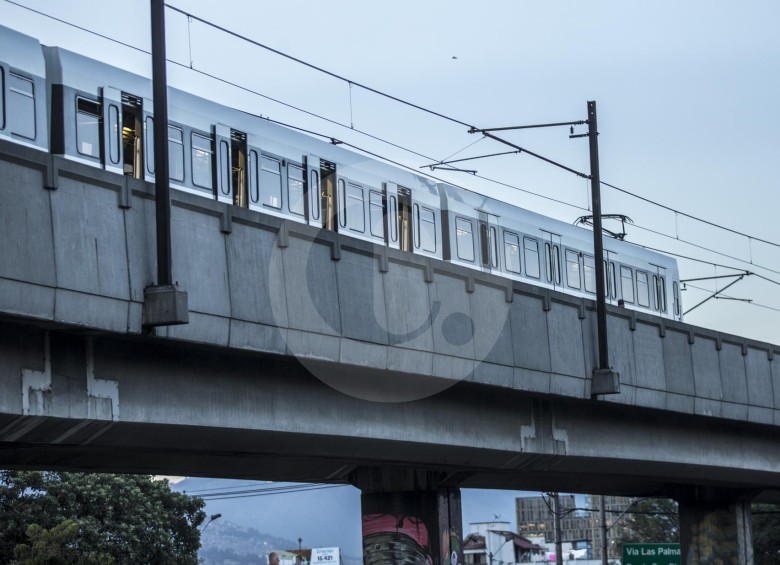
<point>79,249</point>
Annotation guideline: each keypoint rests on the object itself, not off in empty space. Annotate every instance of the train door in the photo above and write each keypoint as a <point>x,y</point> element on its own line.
<point>610,276</point>
<point>391,216</point>
<point>658,290</point>
<point>488,241</point>
<point>111,142</point>
<point>239,174</point>
<point>405,235</point>
<point>313,191</point>
<point>132,136</point>
<point>223,168</point>
<point>147,145</point>
<point>328,195</point>
<point>552,258</point>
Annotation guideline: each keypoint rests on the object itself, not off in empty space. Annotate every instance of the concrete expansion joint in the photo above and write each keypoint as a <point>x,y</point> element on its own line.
<point>36,385</point>
<point>226,219</point>
<point>546,301</point>
<point>662,329</point>
<point>52,174</point>
<point>718,343</point>
<point>283,236</point>
<point>99,390</point>
<point>335,248</point>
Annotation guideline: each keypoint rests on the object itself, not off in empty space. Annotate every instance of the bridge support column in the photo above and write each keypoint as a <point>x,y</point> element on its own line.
<point>715,527</point>
<point>409,517</point>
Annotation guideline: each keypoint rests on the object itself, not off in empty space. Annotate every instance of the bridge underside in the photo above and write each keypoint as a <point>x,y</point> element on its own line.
<point>75,401</point>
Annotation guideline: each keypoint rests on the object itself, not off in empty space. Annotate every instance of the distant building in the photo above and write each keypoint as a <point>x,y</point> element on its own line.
<point>493,543</point>
<point>580,527</point>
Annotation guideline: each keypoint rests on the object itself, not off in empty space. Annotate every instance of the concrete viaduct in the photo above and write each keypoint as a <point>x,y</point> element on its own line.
<point>309,356</point>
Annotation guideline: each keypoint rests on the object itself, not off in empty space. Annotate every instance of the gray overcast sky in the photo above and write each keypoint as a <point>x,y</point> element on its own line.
<point>687,97</point>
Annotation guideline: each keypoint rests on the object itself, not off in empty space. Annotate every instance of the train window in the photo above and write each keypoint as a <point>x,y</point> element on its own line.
<point>295,199</point>
<point>427,226</point>
<point>21,106</point>
<point>512,252</point>
<point>176,153</point>
<point>642,289</point>
<point>356,220</point>
<point>676,298</point>
<point>610,289</point>
<point>87,127</point>
<point>224,172</point>
<point>627,284</point>
<point>589,273</point>
<point>376,213</point>
<point>132,136</point>
<point>552,257</point>
<point>202,157</point>
<point>270,182</point>
<point>531,256</point>
<point>341,197</point>
<point>464,239</point>
<point>573,269</point>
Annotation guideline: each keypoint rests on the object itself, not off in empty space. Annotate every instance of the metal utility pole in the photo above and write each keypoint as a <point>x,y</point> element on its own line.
<point>164,303</point>
<point>603,516</point>
<point>161,180</point>
<point>557,518</point>
<point>605,380</point>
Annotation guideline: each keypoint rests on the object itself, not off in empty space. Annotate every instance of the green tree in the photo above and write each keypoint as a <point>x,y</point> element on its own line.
<point>96,518</point>
<point>766,534</point>
<point>653,520</point>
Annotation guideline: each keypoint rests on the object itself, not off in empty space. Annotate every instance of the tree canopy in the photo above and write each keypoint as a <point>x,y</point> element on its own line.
<point>61,518</point>
<point>653,520</point>
<point>766,534</point>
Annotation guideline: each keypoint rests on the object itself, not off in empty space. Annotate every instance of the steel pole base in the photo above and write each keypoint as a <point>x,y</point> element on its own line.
<point>605,381</point>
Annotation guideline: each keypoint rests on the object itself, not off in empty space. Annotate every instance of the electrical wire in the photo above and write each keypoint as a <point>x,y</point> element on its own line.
<point>250,494</point>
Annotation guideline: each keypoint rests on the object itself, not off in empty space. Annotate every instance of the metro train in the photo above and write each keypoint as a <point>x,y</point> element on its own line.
<point>61,102</point>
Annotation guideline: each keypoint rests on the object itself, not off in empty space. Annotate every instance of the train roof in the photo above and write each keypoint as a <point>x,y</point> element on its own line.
<point>23,50</point>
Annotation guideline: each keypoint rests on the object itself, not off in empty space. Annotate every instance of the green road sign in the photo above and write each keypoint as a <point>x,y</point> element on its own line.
<point>651,554</point>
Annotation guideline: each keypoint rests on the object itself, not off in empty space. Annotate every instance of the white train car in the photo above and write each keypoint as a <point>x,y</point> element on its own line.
<point>102,116</point>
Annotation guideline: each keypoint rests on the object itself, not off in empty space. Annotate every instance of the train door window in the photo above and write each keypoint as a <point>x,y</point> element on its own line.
<point>314,188</point>
<point>589,273</point>
<point>376,213</point>
<point>405,218</point>
<point>553,261</point>
<point>659,295</point>
<point>202,161</point>
<point>642,289</point>
<point>427,226</point>
<point>176,153</point>
<point>484,245</point>
<point>512,252</point>
<point>149,145</point>
<point>270,182</point>
<point>573,269</point>
<point>354,207</point>
<point>132,136</point>
<point>464,239</point>
<point>342,202</point>
<point>393,220</point>
<point>610,286</point>
<point>254,177</point>
<point>531,257</point>
<point>295,194</point>
<point>21,106</point>
<point>87,127</point>
<point>113,134</point>
<point>239,172</point>
<point>2,98</point>
<point>493,247</point>
<point>676,298</point>
<point>627,284</point>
